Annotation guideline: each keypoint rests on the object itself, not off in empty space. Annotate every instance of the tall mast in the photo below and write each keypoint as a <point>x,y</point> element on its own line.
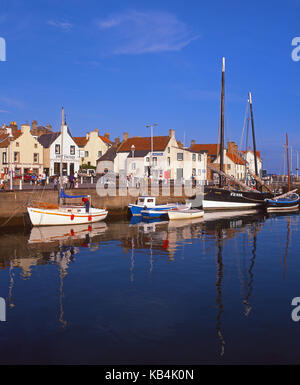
<point>222,123</point>
<point>61,149</point>
<point>253,134</point>
<point>288,162</point>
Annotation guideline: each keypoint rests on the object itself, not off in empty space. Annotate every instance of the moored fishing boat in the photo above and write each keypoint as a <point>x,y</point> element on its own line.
<point>44,214</point>
<point>222,198</point>
<point>155,212</point>
<point>145,202</point>
<point>288,201</point>
<point>47,214</point>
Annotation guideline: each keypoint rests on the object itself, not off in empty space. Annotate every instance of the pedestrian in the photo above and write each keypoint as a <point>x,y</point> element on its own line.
<point>55,182</point>
<point>86,202</point>
<point>65,181</point>
<point>44,178</point>
<point>71,181</point>
<point>76,183</point>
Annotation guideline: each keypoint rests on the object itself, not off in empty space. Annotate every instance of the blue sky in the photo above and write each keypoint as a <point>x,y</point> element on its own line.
<point>118,65</point>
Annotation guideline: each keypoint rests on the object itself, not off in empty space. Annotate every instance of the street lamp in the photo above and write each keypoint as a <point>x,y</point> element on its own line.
<point>10,163</point>
<point>151,132</point>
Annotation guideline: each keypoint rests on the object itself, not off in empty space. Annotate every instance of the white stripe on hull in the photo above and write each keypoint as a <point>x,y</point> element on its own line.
<point>219,205</point>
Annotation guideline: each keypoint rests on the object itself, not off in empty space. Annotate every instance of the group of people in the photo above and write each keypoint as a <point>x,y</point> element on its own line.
<point>72,180</point>
<point>39,180</point>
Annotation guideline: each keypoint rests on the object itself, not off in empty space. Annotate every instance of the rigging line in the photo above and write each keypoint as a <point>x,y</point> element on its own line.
<point>244,125</point>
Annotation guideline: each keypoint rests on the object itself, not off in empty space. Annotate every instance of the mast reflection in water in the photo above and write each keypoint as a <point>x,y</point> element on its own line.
<point>152,293</point>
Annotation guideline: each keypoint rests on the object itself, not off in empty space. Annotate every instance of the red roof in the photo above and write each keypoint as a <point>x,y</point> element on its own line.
<point>212,149</point>
<point>144,143</point>
<point>257,153</point>
<point>235,158</point>
<point>105,139</point>
<point>81,141</point>
<point>4,138</point>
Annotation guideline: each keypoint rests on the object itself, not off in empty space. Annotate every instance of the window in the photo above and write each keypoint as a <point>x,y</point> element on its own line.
<point>168,150</point>
<point>57,149</point>
<point>86,154</point>
<point>133,166</point>
<point>35,158</point>
<point>180,156</point>
<point>72,150</point>
<point>154,161</point>
<point>229,167</point>
<point>147,159</point>
<point>199,172</point>
<point>35,145</point>
<point>16,157</point>
<point>169,161</point>
<point>17,144</point>
<point>199,157</point>
<point>194,172</point>
<point>4,158</point>
<point>194,157</point>
<point>99,154</point>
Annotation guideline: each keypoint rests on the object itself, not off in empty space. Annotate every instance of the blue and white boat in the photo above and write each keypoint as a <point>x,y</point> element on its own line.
<point>145,202</point>
<point>151,213</point>
<point>285,203</point>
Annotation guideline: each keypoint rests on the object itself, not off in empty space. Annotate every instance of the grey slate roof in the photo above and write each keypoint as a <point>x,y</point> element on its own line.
<point>109,155</point>
<point>47,139</point>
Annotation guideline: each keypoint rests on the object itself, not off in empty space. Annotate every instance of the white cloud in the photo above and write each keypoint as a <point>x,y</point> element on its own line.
<point>64,25</point>
<point>146,32</point>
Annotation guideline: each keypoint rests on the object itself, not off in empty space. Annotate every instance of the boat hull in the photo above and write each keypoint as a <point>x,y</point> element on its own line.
<point>56,217</point>
<point>185,214</point>
<point>283,204</point>
<point>221,199</point>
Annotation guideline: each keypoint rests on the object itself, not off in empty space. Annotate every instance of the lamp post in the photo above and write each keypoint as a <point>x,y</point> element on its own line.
<point>11,161</point>
<point>132,154</point>
<point>151,133</point>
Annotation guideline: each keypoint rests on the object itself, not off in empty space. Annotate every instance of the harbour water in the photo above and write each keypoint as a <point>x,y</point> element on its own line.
<point>213,290</point>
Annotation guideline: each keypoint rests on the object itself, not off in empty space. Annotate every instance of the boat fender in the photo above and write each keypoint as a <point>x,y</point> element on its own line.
<point>89,228</point>
<point>72,217</point>
<point>89,217</point>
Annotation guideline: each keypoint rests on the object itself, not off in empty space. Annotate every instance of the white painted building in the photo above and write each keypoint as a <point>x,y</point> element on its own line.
<point>168,160</point>
<point>54,149</point>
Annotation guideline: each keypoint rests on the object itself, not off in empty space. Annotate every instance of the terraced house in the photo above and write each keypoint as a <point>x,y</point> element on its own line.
<point>21,151</point>
<point>162,157</point>
<point>92,147</point>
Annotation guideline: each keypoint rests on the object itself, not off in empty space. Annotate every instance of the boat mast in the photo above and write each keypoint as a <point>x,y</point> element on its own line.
<point>288,162</point>
<point>253,134</point>
<point>61,152</point>
<point>222,124</point>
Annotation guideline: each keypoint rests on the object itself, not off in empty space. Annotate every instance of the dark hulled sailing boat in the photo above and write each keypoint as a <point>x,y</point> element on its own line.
<point>224,198</point>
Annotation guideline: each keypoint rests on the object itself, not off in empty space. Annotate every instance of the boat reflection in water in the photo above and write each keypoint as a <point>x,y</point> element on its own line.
<point>45,234</point>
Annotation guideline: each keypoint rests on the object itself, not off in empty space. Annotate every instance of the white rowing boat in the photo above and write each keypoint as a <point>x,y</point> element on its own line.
<point>185,214</point>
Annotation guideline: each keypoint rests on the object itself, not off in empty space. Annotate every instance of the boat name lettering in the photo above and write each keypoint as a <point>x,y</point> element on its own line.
<point>236,194</point>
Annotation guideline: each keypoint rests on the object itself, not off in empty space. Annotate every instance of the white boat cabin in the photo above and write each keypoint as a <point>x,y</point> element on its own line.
<point>146,201</point>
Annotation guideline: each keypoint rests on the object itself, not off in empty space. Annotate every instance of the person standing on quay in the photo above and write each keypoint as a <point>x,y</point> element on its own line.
<point>71,180</point>
<point>55,183</point>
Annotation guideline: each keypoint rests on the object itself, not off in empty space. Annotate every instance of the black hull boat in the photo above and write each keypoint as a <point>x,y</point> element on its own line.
<point>222,199</point>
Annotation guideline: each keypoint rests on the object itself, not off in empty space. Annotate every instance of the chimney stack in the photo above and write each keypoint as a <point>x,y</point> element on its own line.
<point>192,142</point>
<point>172,133</point>
<point>232,147</point>
<point>107,135</point>
<point>125,136</point>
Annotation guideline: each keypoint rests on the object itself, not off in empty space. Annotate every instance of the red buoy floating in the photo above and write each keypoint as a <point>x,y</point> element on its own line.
<point>89,228</point>
<point>72,217</point>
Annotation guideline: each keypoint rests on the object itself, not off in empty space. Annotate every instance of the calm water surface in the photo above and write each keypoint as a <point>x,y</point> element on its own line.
<point>217,290</point>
